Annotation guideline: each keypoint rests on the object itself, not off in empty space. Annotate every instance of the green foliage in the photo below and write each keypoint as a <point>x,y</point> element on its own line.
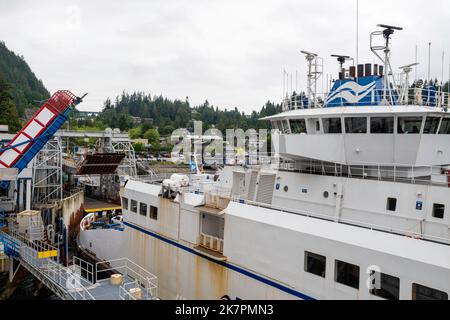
<point>153,138</point>
<point>138,147</point>
<point>91,123</point>
<point>168,115</point>
<point>135,133</point>
<point>26,90</point>
<point>8,112</point>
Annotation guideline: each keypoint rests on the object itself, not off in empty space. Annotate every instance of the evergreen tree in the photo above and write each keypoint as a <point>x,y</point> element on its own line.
<point>8,112</point>
<point>168,115</point>
<point>26,89</point>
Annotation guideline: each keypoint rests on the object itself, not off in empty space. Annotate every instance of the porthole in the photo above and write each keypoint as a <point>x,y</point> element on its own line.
<point>286,188</point>
<point>325,194</point>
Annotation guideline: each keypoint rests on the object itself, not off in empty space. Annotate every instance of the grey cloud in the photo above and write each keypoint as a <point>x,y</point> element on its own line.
<point>229,52</point>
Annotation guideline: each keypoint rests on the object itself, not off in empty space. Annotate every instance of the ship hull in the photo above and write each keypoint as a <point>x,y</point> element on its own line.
<point>183,273</point>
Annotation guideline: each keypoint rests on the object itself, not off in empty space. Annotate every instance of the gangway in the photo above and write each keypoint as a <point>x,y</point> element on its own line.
<point>38,130</point>
<point>79,281</point>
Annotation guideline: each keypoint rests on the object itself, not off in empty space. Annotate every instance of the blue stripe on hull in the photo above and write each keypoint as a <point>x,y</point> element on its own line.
<point>224,264</point>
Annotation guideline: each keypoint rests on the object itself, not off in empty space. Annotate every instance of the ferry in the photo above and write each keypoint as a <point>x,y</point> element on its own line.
<point>358,207</point>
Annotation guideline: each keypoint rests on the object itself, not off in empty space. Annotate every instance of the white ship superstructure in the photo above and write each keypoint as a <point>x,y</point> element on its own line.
<point>357,209</point>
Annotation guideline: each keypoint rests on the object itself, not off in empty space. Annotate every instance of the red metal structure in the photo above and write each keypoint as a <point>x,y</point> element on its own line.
<point>38,130</point>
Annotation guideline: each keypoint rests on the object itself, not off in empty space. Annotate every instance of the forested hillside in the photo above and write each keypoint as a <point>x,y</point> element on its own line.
<point>25,88</point>
<point>168,115</point>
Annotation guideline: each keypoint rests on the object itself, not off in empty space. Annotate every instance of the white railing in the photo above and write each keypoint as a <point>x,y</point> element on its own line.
<point>211,242</point>
<point>412,96</point>
<point>132,273</point>
<point>65,280</point>
<point>74,282</point>
<point>124,290</point>
<point>218,197</point>
<point>152,178</point>
<point>358,223</point>
<point>428,175</point>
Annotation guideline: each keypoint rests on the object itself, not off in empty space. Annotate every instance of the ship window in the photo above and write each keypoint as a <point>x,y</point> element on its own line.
<point>298,126</point>
<point>317,125</point>
<point>385,286</point>
<point>391,204</point>
<point>409,125</point>
<point>125,203</point>
<point>438,210</point>
<point>332,125</point>
<point>286,128</point>
<point>347,274</point>
<point>280,125</point>
<point>275,125</point>
<point>143,209</point>
<point>315,264</point>
<point>153,213</point>
<point>134,206</point>
<point>420,292</point>
<point>382,125</point>
<point>445,126</point>
<point>431,125</point>
<point>356,125</point>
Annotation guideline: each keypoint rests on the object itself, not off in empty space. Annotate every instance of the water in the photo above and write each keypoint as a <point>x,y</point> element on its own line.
<point>24,287</point>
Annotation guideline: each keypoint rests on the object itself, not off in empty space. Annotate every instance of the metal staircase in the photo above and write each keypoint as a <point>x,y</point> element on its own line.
<point>77,281</point>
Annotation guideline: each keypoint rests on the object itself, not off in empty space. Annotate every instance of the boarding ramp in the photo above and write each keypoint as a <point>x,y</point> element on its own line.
<point>38,130</point>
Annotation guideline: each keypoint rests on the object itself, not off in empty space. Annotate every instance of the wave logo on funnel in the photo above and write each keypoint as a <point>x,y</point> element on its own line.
<point>350,92</point>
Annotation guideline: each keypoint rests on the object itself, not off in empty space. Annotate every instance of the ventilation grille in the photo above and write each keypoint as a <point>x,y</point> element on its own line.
<point>265,188</point>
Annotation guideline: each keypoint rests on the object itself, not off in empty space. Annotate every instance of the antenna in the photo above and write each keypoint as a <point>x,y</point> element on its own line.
<point>357,32</point>
<point>415,69</point>
<point>312,75</point>
<point>386,33</point>
<point>405,89</point>
<point>308,53</point>
<point>341,59</point>
<point>429,60</point>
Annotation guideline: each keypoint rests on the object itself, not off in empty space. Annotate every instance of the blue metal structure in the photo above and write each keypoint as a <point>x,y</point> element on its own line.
<point>362,91</point>
<point>39,142</point>
<point>28,142</point>
<point>11,245</point>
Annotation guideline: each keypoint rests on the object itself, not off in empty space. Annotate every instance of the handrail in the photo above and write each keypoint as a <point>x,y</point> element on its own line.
<point>358,223</point>
<point>63,279</point>
<point>128,268</point>
<point>383,171</point>
<point>412,96</point>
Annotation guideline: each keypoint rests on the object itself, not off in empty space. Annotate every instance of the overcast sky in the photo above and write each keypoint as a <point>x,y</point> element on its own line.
<point>230,52</point>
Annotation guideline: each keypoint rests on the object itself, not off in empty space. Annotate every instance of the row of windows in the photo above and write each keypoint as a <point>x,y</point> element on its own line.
<point>142,208</point>
<point>391,203</point>
<point>377,125</point>
<point>438,208</point>
<point>382,285</point>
